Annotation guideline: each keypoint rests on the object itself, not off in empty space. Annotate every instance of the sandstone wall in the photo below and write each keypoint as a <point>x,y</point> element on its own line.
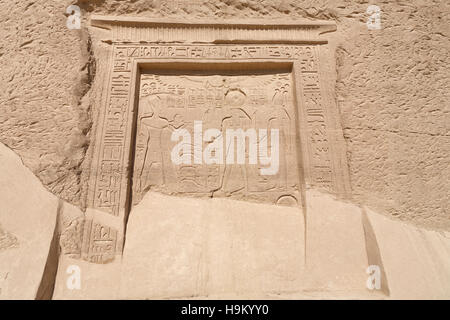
<point>216,248</point>
<point>28,218</point>
<point>391,88</point>
<point>43,79</point>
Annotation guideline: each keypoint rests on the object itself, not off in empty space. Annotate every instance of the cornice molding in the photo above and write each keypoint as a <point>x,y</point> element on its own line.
<point>138,29</point>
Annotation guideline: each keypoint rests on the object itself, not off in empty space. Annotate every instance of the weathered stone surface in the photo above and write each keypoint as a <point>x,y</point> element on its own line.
<point>219,248</point>
<point>416,260</point>
<point>45,74</point>
<point>27,222</point>
<point>211,247</point>
<point>391,89</point>
<point>362,117</point>
<point>336,255</point>
<point>401,113</point>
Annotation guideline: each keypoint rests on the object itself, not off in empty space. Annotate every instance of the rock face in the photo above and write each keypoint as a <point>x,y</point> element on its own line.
<point>226,148</point>
<point>415,260</point>
<point>212,247</point>
<point>217,248</point>
<point>220,248</point>
<point>45,72</point>
<point>27,225</point>
<point>391,88</point>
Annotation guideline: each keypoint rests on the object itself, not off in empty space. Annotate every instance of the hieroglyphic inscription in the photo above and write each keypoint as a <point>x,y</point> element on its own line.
<point>110,174</point>
<point>101,242</point>
<point>320,157</point>
<point>111,165</point>
<point>219,102</point>
<point>124,55</point>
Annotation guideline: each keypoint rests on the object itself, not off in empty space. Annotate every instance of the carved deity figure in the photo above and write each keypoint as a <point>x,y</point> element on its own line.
<point>206,107</point>
<point>234,175</point>
<point>151,128</point>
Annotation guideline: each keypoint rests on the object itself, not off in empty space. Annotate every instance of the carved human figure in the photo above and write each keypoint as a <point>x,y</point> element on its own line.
<point>274,115</point>
<point>218,103</point>
<point>150,127</point>
<point>234,175</point>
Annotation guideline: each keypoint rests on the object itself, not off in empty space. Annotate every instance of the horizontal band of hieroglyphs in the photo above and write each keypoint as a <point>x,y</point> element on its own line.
<point>215,52</point>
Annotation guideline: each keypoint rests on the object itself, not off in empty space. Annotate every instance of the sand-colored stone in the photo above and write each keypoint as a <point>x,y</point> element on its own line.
<point>27,224</point>
<point>336,257</point>
<point>223,248</point>
<point>402,114</point>
<point>416,260</point>
<point>218,248</point>
<point>362,117</point>
<point>211,247</point>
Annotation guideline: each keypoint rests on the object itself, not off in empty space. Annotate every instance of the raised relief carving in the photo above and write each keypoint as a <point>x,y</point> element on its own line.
<point>171,101</point>
<point>128,161</point>
<point>100,243</point>
<point>71,237</point>
<point>89,240</point>
<point>220,102</point>
<point>110,191</point>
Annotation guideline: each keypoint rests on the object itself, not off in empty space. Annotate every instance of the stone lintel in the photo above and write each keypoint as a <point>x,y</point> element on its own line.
<point>146,30</point>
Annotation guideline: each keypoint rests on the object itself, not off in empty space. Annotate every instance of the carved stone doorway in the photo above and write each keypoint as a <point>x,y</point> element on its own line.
<point>163,75</point>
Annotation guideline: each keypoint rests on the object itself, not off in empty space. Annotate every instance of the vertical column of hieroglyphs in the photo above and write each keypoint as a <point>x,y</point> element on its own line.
<point>100,242</point>
<point>111,166</point>
<point>321,171</point>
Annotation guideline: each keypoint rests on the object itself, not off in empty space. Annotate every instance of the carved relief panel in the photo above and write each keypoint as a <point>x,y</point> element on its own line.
<point>150,95</point>
<point>235,101</point>
<point>197,95</point>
